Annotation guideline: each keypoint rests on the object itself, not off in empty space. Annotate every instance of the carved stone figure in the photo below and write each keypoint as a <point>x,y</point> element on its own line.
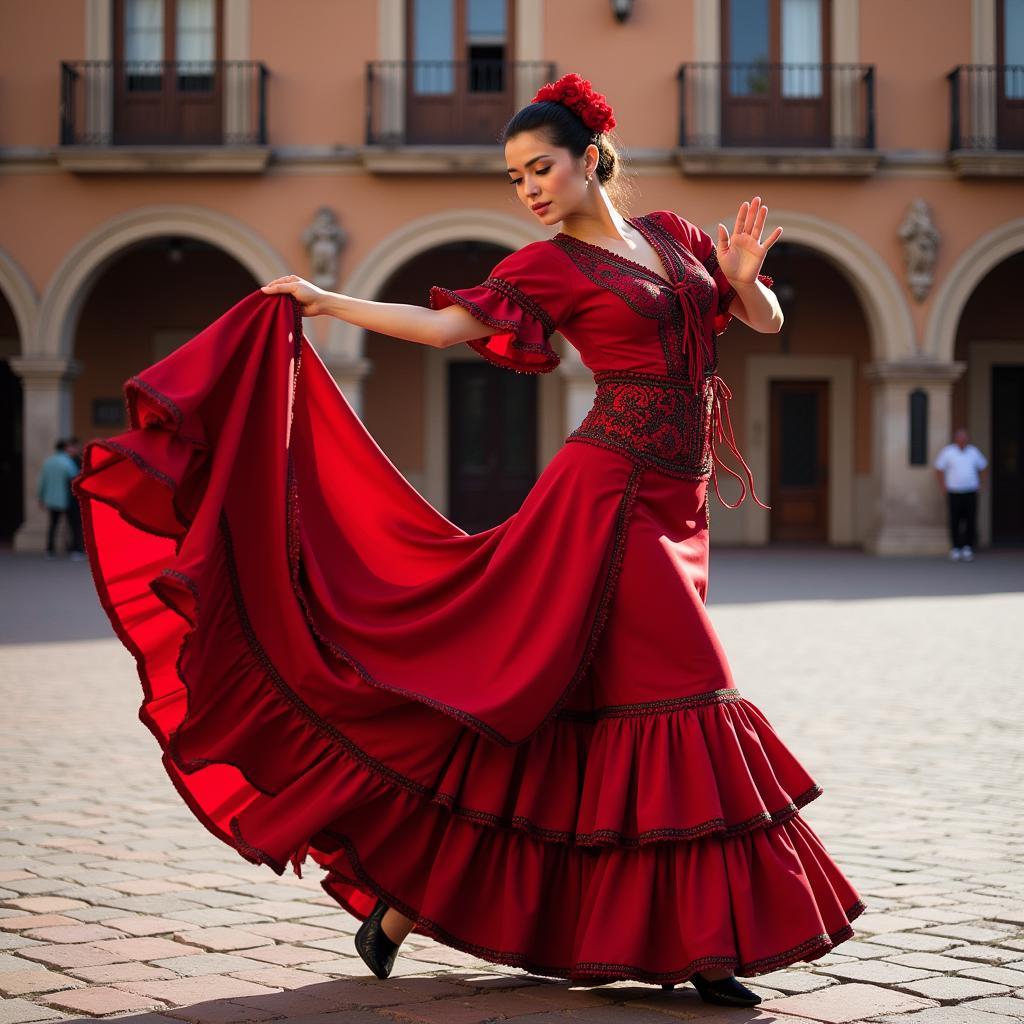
<point>323,240</point>
<point>920,240</point>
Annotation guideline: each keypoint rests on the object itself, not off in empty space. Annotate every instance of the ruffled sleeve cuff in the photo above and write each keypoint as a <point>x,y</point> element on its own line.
<point>522,342</point>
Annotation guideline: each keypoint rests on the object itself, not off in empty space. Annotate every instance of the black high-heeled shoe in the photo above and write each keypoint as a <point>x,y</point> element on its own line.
<point>377,951</point>
<point>724,991</point>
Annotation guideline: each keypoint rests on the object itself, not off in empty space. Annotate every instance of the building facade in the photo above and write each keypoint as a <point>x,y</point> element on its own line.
<point>159,159</point>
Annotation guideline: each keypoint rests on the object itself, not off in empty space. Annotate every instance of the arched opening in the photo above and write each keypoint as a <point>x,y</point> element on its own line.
<point>11,426</point>
<point>478,455</point>
<point>143,303</point>
<point>989,398</point>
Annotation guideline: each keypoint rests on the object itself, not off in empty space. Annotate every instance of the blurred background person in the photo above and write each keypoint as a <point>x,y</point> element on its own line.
<point>960,469</point>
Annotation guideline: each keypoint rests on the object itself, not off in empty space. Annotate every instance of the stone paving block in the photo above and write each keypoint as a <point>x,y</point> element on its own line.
<point>180,991</point>
<point>932,962</point>
<point>857,949</point>
<point>283,911</point>
<point>101,1001</point>
<point>141,925</point>
<point>21,922</point>
<point>200,963</point>
<point>73,933</point>
<point>954,989</point>
<point>880,972</point>
<point>1001,975</point>
<point>289,931</point>
<point>986,954</point>
<point>9,876</point>
<point>20,983</point>
<point>791,981</point>
<point>972,932</point>
<point>219,1011</point>
<point>35,886</point>
<point>1011,1006</point>
<point>845,1004</point>
<point>871,924</point>
<point>914,941</point>
<point>214,917</point>
<point>223,939</point>
<point>147,886</point>
<point>80,954</point>
<point>158,905</point>
<point>12,962</point>
<point>20,1011</point>
<point>285,977</point>
<point>130,970</point>
<point>289,956</point>
<point>148,948</point>
<point>10,940</point>
<point>961,1014</point>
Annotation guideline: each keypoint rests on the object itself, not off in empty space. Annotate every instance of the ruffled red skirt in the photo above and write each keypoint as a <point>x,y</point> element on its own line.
<point>526,739</point>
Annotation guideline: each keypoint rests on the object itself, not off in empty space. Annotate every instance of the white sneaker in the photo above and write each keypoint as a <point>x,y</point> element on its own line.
<point>955,554</point>
<point>966,553</point>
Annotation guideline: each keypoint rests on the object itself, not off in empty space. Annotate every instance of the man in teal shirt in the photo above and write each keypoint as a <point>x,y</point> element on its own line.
<point>54,494</point>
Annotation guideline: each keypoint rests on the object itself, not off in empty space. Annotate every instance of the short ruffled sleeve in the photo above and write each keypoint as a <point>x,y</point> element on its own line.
<point>702,245</point>
<point>528,295</point>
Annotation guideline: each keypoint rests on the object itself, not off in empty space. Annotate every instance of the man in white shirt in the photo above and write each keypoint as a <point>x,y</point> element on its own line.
<point>960,469</point>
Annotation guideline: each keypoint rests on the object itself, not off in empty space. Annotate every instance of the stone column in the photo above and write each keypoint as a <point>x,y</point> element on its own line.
<point>349,374</point>
<point>909,513</point>
<point>46,387</point>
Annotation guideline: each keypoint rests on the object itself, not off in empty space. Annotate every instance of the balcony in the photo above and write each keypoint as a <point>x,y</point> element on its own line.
<point>444,115</point>
<point>137,116</point>
<point>986,120</point>
<point>769,118</point>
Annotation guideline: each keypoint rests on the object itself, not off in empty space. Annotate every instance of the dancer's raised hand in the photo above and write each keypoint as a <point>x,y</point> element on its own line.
<point>308,295</point>
<point>740,255</point>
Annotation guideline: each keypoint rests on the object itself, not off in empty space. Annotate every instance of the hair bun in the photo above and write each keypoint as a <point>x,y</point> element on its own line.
<point>578,95</point>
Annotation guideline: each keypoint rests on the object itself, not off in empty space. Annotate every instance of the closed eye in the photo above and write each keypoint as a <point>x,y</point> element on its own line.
<point>515,181</point>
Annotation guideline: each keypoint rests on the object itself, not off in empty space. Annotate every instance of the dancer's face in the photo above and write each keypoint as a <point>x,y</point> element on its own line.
<point>543,173</point>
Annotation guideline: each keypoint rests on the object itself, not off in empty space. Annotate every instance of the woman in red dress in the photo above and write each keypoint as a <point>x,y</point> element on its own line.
<point>525,742</point>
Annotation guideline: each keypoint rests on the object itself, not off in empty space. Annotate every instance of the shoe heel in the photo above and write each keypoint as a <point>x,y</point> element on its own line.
<point>724,991</point>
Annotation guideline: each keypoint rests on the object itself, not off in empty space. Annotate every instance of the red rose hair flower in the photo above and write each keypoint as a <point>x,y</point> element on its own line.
<point>578,95</point>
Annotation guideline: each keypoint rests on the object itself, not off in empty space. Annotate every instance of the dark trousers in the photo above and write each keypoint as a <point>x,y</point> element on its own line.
<point>963,516</point>
<point>74,522</point>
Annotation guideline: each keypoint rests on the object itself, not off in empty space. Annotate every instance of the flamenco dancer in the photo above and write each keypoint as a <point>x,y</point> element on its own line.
<point>525,742</point>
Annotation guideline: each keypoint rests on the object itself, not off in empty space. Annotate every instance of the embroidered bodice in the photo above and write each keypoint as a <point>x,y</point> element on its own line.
<point>650,339</point>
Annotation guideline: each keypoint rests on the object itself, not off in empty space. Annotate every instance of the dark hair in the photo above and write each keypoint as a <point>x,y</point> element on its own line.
<point>61,445</point>
<point>565,128</point>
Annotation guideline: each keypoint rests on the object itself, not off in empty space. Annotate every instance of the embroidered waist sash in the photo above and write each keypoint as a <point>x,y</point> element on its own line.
<point>663,422</point>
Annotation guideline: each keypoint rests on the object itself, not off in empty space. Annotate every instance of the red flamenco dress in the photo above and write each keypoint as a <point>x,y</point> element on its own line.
<point>527,739</point>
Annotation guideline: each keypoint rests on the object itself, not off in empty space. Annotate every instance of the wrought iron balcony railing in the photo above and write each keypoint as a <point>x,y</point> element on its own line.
<point>163,103</point>
<point>776,105</point>
<point>446,102</point>
<point>986,107</point>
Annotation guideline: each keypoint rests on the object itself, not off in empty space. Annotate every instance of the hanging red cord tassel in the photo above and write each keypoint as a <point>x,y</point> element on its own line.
<point>721,428</point>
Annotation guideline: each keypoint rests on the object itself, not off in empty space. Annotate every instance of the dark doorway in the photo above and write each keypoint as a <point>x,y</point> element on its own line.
<point>458,88</point>
<point>776,89</point>
<point>11,448</point>
<point>168,81</point>
<point>1007,454</point>
<point>492,449</point>
<point>799,461</point>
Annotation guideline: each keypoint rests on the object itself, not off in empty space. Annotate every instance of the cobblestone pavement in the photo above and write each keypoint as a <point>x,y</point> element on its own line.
<point>897,682</point>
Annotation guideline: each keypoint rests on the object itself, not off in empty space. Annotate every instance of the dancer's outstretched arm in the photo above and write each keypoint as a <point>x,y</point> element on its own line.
<point>437,328</point>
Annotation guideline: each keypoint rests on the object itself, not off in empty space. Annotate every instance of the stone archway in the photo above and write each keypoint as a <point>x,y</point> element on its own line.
<point>875,285</point>
<point>959,283</point>
<point>48,367</point>
<point>80,268</point>
<point>19,292</point>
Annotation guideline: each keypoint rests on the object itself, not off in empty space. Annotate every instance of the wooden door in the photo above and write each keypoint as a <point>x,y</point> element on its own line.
<point>1010,74</point>
<point>460,89</point>
<point>762,103</point>
<point>1007,458</point>
<point>492,430</point>
<point>799,461</point>
<point>168,75</point>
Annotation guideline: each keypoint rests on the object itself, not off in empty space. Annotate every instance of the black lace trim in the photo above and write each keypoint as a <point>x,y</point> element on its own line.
<point>523,301</point>
<point>656,421</point>
<point>695,700</point>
